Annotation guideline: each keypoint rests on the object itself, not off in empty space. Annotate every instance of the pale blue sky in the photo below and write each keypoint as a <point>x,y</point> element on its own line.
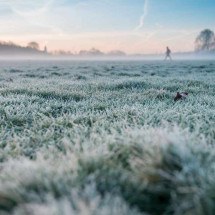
<point>135,26</point>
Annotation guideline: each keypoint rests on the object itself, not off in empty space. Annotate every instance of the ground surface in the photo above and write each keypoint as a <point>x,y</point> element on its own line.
<point>106,138</point>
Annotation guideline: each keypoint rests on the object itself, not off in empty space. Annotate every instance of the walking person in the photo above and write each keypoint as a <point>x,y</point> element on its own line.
<point>168,53</point>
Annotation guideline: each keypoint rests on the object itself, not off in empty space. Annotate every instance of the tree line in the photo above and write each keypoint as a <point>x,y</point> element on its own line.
<point>204,42</point>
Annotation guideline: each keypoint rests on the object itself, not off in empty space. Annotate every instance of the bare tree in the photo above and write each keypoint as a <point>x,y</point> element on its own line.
<point>33,45</point>
<point>205,41</point>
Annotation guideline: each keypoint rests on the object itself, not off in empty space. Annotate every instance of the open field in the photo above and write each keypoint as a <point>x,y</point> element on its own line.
<point>106,138</point>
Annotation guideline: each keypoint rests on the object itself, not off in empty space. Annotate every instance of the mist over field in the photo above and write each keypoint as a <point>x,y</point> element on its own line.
<point>106,137</point>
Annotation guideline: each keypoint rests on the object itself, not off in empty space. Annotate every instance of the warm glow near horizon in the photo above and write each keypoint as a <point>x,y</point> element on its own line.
<point>133,26</point>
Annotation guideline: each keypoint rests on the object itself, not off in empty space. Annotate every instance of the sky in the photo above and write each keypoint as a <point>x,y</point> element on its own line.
<point>133,26</point>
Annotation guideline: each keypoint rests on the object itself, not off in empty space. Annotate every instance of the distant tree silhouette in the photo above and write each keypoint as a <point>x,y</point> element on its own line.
<point>33,45</point>
<point>45,49</point>
<point>91,52</point>
<point>205,41</point>
<point>12,49</point>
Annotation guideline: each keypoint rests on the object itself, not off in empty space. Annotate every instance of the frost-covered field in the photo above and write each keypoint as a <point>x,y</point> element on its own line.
<point>106,138</point>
